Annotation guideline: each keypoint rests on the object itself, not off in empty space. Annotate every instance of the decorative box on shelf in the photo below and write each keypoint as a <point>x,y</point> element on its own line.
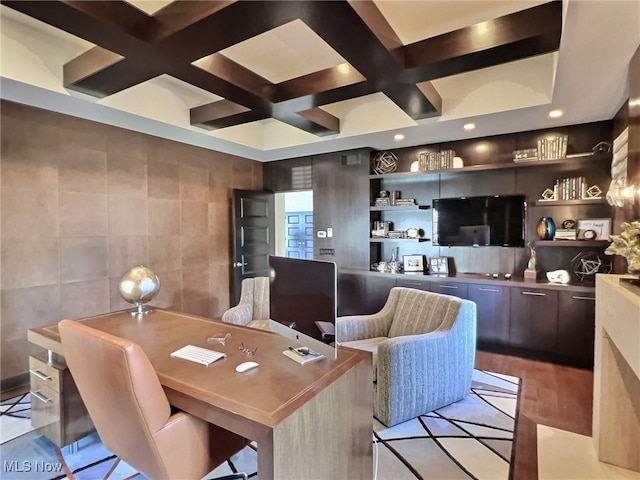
<point>566,234</point>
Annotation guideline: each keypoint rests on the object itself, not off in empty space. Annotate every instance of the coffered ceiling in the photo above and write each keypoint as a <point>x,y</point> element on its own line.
<point>279,79</point>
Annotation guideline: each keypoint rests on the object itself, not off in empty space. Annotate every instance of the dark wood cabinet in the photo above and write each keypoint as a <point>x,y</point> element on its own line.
<point>450,288</point>
<point>576,327</point>
<point>417,283</point>
<point>377,291</point>
<point>493,312</point>
<point>534,319</point>
<point>351,294</point>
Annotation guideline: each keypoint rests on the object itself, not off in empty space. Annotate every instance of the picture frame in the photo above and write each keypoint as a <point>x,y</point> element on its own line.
<point>413,263</point>
<point>439,265</point>
<point>588,226</point>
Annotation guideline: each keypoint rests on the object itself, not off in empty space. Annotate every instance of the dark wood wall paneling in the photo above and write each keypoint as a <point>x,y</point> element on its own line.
<point>629,116</point>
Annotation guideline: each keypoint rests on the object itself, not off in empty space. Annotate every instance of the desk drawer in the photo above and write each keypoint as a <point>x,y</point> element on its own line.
<point>45,406</point>
<point>44,375</point>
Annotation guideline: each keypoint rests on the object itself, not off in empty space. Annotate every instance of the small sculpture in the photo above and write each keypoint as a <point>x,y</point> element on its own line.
<point>559,276</point>
<point>531,265</point>
<point>627,244</point>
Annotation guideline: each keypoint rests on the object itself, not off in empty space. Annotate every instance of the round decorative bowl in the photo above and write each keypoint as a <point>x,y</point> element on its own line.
<point>546,228</point>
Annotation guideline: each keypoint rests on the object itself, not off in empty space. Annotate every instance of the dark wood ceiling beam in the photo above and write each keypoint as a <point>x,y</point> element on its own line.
<point>115,26</point>
<point>322,118</point>
<point>232,72</point>
<point>87,64</point>
<point>301,122</point>
<point>215,111</point>
<point>346,32</point>
<point>368,11</point>
<point>218,120</point>
<point>317,82</point>
<point>541,25</point>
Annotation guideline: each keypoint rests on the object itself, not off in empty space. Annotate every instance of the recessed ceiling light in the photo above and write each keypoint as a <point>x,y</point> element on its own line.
<point>555,113</point>
<point>398,136</point>
<point>469,126</point>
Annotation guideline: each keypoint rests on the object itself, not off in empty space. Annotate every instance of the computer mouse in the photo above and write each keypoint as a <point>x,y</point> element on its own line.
<point>246,366</point>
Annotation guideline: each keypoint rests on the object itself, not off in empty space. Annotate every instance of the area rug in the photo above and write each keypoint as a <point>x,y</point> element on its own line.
<point>471,439</point>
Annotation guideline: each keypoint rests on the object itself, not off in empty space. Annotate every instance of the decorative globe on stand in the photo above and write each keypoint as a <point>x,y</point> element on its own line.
<point>138,286</point>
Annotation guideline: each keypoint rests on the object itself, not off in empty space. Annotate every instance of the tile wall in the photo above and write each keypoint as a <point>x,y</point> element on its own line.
<point>82,202</point>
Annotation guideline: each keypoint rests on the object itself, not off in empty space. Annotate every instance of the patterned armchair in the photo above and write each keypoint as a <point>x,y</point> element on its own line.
<point>253,308</point>
<point>423,347</point>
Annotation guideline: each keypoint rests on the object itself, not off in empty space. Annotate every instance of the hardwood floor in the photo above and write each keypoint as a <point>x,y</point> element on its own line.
<point>552,395</point>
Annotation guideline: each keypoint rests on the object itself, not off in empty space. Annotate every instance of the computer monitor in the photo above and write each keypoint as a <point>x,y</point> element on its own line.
<point>302,300</point>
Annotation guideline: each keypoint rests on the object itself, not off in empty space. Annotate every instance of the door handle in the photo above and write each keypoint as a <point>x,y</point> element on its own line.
<point>239,264</point>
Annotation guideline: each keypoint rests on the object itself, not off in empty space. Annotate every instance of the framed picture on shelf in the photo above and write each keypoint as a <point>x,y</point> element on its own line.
<point>413,263</point>
<point>439,265</point>
<point>594,229</point>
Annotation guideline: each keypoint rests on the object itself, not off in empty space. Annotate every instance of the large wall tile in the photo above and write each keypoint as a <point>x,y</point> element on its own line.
<point>195,250</point>
<point>170,294</point>
<point>31,167</point>
<point>163,179</point>
<point>126,175</point>
<point>200,307</point>
<point>24,308</point>
<point>128,215</point>
<point>195,283</point>
<point>126,252</point>
<point>220,183</point>
<point>194,218</point>
<point>84,299</point>
<point>164,252</point>
<point>220,250</point>
<point>164,216</point>
<point>83,258</point>
<point>83,214</point>
<point>29,262</point>
<point>28,212</point>
<point>82,169</point>
<point>219,217</point>
<point>194,183</point>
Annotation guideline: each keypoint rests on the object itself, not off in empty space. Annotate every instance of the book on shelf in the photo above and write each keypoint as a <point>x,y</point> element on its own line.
<point>552,147</point>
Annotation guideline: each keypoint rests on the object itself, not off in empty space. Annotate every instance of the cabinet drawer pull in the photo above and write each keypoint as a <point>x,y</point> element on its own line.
<point>41,397</point>
<point>488,289</point>
<point>537,294</point>
<point>578,297</point>
<point>413,283</point>
<point>39,374</point>
<point>447,286</point>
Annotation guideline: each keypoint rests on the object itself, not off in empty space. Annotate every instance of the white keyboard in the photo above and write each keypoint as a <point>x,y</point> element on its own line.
<point>201,355</point>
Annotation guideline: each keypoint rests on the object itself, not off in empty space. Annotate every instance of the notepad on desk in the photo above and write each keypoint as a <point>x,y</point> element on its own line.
<point>302,359</point>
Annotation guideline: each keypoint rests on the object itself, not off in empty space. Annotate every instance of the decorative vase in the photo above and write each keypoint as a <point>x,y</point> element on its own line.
<point>546,228</point>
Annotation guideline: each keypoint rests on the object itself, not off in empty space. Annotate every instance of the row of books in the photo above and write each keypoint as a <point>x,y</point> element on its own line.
<point>435,160</point>
<point>572,188</point>
<point>552,147</point>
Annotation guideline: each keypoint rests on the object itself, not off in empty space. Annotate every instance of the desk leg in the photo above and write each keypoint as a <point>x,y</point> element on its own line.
<point>328,437</point>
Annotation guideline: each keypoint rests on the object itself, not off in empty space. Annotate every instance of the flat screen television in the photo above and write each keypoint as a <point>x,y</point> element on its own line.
<point>496,220</point>
<point>303,302</point>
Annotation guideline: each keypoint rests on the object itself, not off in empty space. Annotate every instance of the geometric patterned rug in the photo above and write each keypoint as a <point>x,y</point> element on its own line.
<point>470,439</point>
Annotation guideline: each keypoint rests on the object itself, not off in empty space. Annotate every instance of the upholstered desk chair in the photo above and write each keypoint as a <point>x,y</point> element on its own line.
<point>253,308</point>
<point>131,413</point>
<point>423,347</point>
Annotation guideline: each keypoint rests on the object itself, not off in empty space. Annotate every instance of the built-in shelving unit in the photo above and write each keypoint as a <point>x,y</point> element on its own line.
<point>564,203</point>
<point>573,243</point>
<point>400,208</point>
<point>404,240</point>
<point>416,176</point>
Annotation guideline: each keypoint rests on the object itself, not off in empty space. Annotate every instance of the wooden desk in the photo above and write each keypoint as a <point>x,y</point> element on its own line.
<point>310,421</point>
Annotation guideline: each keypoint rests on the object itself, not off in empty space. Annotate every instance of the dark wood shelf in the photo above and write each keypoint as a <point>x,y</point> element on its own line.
<point>413,176</point>
<point>400,208</point>
<point>558,203</point>
<point>406,240</point>
<point>573,243</point>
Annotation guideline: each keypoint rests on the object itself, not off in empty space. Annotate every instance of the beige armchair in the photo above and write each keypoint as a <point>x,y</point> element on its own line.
<point>423,347</point>
<point>253,308</point>
<point>131,413</point>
